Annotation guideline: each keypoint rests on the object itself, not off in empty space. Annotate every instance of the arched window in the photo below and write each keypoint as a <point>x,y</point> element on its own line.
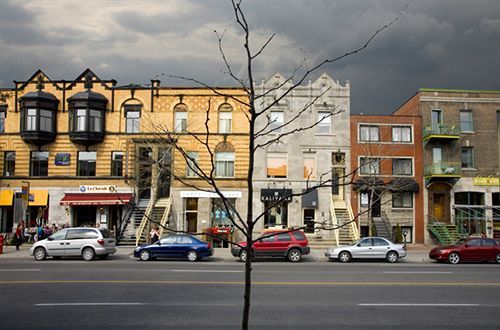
<point>132,111</point>
<point>225,118</point>
<point>224,160</point>
<point>181,118</point>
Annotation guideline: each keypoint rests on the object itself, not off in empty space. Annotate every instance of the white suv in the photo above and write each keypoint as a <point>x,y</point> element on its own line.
<point>78,241</point>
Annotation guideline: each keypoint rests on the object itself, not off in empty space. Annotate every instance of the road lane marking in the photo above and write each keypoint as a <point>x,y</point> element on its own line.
<point>411,272</point>
<point>20,270</point>
<point>205,271</point>
<point>179,282</point>
<point>422,305</point>
<point>188,304</point>
<point>89,304</point>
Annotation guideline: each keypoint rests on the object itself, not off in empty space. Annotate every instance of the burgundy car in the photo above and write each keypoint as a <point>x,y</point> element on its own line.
<point>473,249</point>
<point>291,245</point>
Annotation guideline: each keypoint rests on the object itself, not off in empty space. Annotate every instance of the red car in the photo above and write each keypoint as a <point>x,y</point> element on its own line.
<point>473,249</point>
<point>291,245</point>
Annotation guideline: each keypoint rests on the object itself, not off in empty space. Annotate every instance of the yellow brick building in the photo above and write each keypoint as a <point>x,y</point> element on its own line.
<point>91,152</point>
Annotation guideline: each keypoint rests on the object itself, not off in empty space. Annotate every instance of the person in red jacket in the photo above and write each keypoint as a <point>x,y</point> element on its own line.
<point>18,238</point>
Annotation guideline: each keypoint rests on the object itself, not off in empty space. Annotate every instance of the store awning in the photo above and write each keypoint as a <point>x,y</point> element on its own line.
<point>38,197</point>
<point>403,184</point>
<point>6,197</point>
<point>310,199</point>
<point>96,199</point>
<point>368,184</point>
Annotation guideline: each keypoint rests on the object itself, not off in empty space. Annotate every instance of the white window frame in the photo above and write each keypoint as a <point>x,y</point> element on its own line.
<point>133,121</point>
<point>402,138</point>
<point>191,171</point>
<point>224,164</point>
<point>324,120</point>
<point>470,121</point>
<point>369,133</point>
<point>372,169</point>
<point>276,121</point>
<point>225,122</point>
<point>400,197</point>
<point>410,160</point>
<point>310,156</point>
<point>181,118</point>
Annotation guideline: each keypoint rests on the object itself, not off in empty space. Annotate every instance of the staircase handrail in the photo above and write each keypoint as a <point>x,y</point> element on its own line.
<point>354,226</point>
<point>334,221</point>
<point>164,218</point>
<point>144,221</point>
<point>125,221</point>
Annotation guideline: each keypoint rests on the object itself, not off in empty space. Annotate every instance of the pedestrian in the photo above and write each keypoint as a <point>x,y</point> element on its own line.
<point>39,233</point>
<point>155,235</point>
<point>18,237</point>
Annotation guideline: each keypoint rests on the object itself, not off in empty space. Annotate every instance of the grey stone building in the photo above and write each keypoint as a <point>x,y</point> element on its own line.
<point>313,122</point>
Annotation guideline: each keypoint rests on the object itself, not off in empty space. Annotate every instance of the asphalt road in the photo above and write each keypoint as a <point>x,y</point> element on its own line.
<point>122,293</point>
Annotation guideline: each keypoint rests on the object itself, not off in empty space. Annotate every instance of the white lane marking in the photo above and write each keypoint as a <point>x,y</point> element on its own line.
<point>408,272</point>
<point>20,270</point>
<point>90,304</point>
<point>205,271</point>
<point>432,305</point>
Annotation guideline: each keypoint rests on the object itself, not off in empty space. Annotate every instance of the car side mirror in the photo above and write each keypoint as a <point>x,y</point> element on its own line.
<point>50,238</point>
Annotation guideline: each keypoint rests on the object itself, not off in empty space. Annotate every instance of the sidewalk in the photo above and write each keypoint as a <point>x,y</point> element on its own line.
<point>416,253</point>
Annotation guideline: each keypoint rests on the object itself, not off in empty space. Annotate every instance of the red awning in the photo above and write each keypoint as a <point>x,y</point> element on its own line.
<point>96,199</point>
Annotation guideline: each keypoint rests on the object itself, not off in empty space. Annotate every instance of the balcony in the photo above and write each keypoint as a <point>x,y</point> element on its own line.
<point>441,132</point>
<point>442,170</point>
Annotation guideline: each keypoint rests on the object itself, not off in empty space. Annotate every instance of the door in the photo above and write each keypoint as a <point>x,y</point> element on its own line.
<point>77,238</point>
<point>164,161</point>
<point>338,181</point>
<point>376,205</point>
<point>380,248</point>
<point>437,160</point>
<point>56,244</point>
<point>264,246</point>
<point>438,202</point>
<point>472,250</point>
<point>144,171</point>
<point>363,249</point>
<point>309,215</point>
<point>165,248</point>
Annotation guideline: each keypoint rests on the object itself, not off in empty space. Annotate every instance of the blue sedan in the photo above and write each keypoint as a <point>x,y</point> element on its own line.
<point>175,246</point>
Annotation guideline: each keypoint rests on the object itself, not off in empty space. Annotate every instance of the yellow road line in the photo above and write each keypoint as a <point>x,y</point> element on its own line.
<point>449,284</point>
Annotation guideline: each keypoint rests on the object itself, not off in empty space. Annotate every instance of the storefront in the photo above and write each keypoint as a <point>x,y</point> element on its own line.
<point>6,211</point>
<point>309,206</point>
<point>276,207</point>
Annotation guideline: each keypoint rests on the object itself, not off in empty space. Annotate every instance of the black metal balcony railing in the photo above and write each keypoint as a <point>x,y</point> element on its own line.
<point>443,170</point>
<point>441,131</point>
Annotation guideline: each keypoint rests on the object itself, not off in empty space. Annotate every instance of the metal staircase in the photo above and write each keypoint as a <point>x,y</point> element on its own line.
<point>446,234</point>
<point>127,234</point>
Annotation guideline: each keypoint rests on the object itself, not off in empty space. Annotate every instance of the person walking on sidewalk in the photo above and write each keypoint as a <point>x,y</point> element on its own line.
<point>18,237</point>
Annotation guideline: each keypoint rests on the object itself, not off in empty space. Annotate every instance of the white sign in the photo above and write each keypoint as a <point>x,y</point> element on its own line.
<point>208,194</point>
<point>97,189</point>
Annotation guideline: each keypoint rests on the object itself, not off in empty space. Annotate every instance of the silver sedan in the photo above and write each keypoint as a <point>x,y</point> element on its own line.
<point>368,248</point>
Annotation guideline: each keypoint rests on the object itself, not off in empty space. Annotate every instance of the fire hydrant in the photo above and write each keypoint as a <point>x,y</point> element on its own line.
<point>1,244</point>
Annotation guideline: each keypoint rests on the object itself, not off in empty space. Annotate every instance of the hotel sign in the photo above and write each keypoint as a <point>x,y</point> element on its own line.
<point>487,181</point>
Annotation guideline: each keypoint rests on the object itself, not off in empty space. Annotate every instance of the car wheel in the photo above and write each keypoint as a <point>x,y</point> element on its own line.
<point>88,254</point>
<point>145,255</point>
<point>192,255</point>
<point>344,256</point>
<point>103,256</point>
<point>294,255</point>
<point>40,254</point>
<point>392,257</point>
<point>243,255</point>
<point>453,258</point>
<point>498,258</point>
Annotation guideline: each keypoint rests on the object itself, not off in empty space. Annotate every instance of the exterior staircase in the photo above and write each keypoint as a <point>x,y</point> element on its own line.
<point>346,235</point>
<point>127,236</point>
<point>156,213</point>
<point>342,219</point>
<point>445,234</point>
<point>381,227</point>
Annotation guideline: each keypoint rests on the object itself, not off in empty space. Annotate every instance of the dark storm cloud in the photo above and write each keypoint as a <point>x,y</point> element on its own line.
<point>445,44</point>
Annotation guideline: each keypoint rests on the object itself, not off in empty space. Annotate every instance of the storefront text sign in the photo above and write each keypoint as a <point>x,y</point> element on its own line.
<point>97,189</point>
<point>275,195</point>
<point>208,194</point>
<point>487,181</point>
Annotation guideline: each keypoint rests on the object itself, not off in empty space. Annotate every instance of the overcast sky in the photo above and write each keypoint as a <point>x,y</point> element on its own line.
<point>435,43</point>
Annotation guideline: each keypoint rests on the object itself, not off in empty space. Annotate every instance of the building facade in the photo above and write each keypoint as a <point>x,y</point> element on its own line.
<point>89,152</point>
<point>388,179</point>
<point>461,158</point>
<point>303,141</point>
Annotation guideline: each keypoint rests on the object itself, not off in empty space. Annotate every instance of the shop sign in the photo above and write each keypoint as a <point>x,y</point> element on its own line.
<point>63,159</point>
<point>97,189</point>
<point>208,194</point>
<point>222,230</point>
<point>276,195</point>
<point>487,181</point>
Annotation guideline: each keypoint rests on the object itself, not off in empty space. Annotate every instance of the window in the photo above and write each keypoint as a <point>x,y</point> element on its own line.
<point>31,120</point>
<point>379,242</point>
<point>283,237</point>
<point>3,115</point>
<point>225,118</point>
<point>309,166</point>
<point>88,120</point>
<point>369,166</point>
<point>39,163</point>
<point>467,157</point>
<point>401,134</point>
<point>81,120</point>
<point>402,166</point>
<point>276,121</point>
<point>181,121</point>
<point>133,118</point>
<point>86,163</point>
<point>466,121</point>
<point>368,133</point>
<point>363,199</point>
<point>184,240</point>
<point>117,163</point>
<point>324,122</point>
<point>191,161</point>
<point>299,236</point>
<point>9,165</point>
<point>436,119</point>
<point>402,199</point>
<point>95,121</point>
<point>224,164</point>
<point>277,165</point>
<point>220,216</point>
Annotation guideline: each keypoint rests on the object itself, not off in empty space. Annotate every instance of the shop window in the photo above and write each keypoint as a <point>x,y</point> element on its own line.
<point>402,200</point>
<point>117,163</point>
<point>225,118</point>
<point>276,215</point>
<point>324,120</point>
<point>369,133</point>
<point>401,134</point>
<point>9,165</point>
<point>309,166</point>
<point>86,163</point>
<point>181,118</point>
<point>39,163</point>
<point>276,121</point>
<point>192,160</point>
<point>402,166</point>
<point>132,118</point>
<point>221,215</point>
<point>277,165</point>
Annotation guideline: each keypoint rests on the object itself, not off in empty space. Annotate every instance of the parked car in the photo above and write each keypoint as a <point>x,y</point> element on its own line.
<point>473,249</point>
<point>291,245</point>
<point>77,241</point>
<point>175,246</point>
<point>368,248</point>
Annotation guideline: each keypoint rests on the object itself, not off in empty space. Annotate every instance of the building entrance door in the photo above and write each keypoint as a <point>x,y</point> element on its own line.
<point>438,201</point>
<point>309,215</point>
<point>144,172</point>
